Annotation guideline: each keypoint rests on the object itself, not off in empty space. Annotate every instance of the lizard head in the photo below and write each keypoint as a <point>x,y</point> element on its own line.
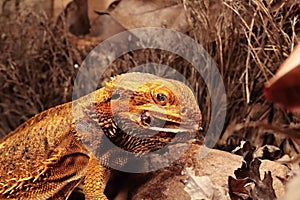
<point>145,112</point>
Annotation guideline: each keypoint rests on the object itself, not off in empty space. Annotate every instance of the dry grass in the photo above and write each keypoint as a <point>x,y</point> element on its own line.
<point>36,68</point>
<point>247,39</point>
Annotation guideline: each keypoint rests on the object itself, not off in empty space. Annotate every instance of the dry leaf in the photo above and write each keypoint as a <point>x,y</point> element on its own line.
<point>75,18</point>
<point>292,189</point>
<point>284,87</point>
<point>201,187</point>
<point>248,183</point>
<point>107,4</point>
<point>105,26</point>
<point>136,14</point>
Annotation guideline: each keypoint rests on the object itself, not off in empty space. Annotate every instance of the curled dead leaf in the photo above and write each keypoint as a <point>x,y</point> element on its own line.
<point>136,14</point>
<point>248,183</point>
<point>284,88</point>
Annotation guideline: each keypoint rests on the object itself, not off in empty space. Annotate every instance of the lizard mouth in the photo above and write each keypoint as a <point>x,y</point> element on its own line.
<point>170,130</point>
<point>151,131</point>
<point>170,124</point>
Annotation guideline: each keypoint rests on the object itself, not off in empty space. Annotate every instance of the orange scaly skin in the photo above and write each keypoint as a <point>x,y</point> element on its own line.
<point>45,158</point>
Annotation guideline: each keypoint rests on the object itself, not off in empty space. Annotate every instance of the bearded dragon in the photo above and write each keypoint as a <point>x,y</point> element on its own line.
<point>48,156</point>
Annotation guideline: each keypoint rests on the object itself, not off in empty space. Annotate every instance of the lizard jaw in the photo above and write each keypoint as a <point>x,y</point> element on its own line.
<point>191,128</point>
<point>183,128</point>
<point>171,130</point>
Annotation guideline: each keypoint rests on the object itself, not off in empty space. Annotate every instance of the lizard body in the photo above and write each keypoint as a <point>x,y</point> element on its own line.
<point>45,158</point>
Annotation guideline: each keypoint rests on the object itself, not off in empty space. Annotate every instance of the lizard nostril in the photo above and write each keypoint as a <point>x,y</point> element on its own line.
<point>146,118</point>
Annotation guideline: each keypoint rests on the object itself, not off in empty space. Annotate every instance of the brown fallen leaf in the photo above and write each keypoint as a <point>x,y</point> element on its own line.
<point>155,13</point>
<point>202,187</point>
<point>75,18</point>
<point>292,189</point>
<point>237,189</point>
<point>284,88</point>
<point>105,26</point>
<point>107,4</point>
<point>248,183</point>
<point>100,5</point>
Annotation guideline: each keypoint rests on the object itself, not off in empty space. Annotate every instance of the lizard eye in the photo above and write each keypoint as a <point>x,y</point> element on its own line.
<point>161,97</point>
